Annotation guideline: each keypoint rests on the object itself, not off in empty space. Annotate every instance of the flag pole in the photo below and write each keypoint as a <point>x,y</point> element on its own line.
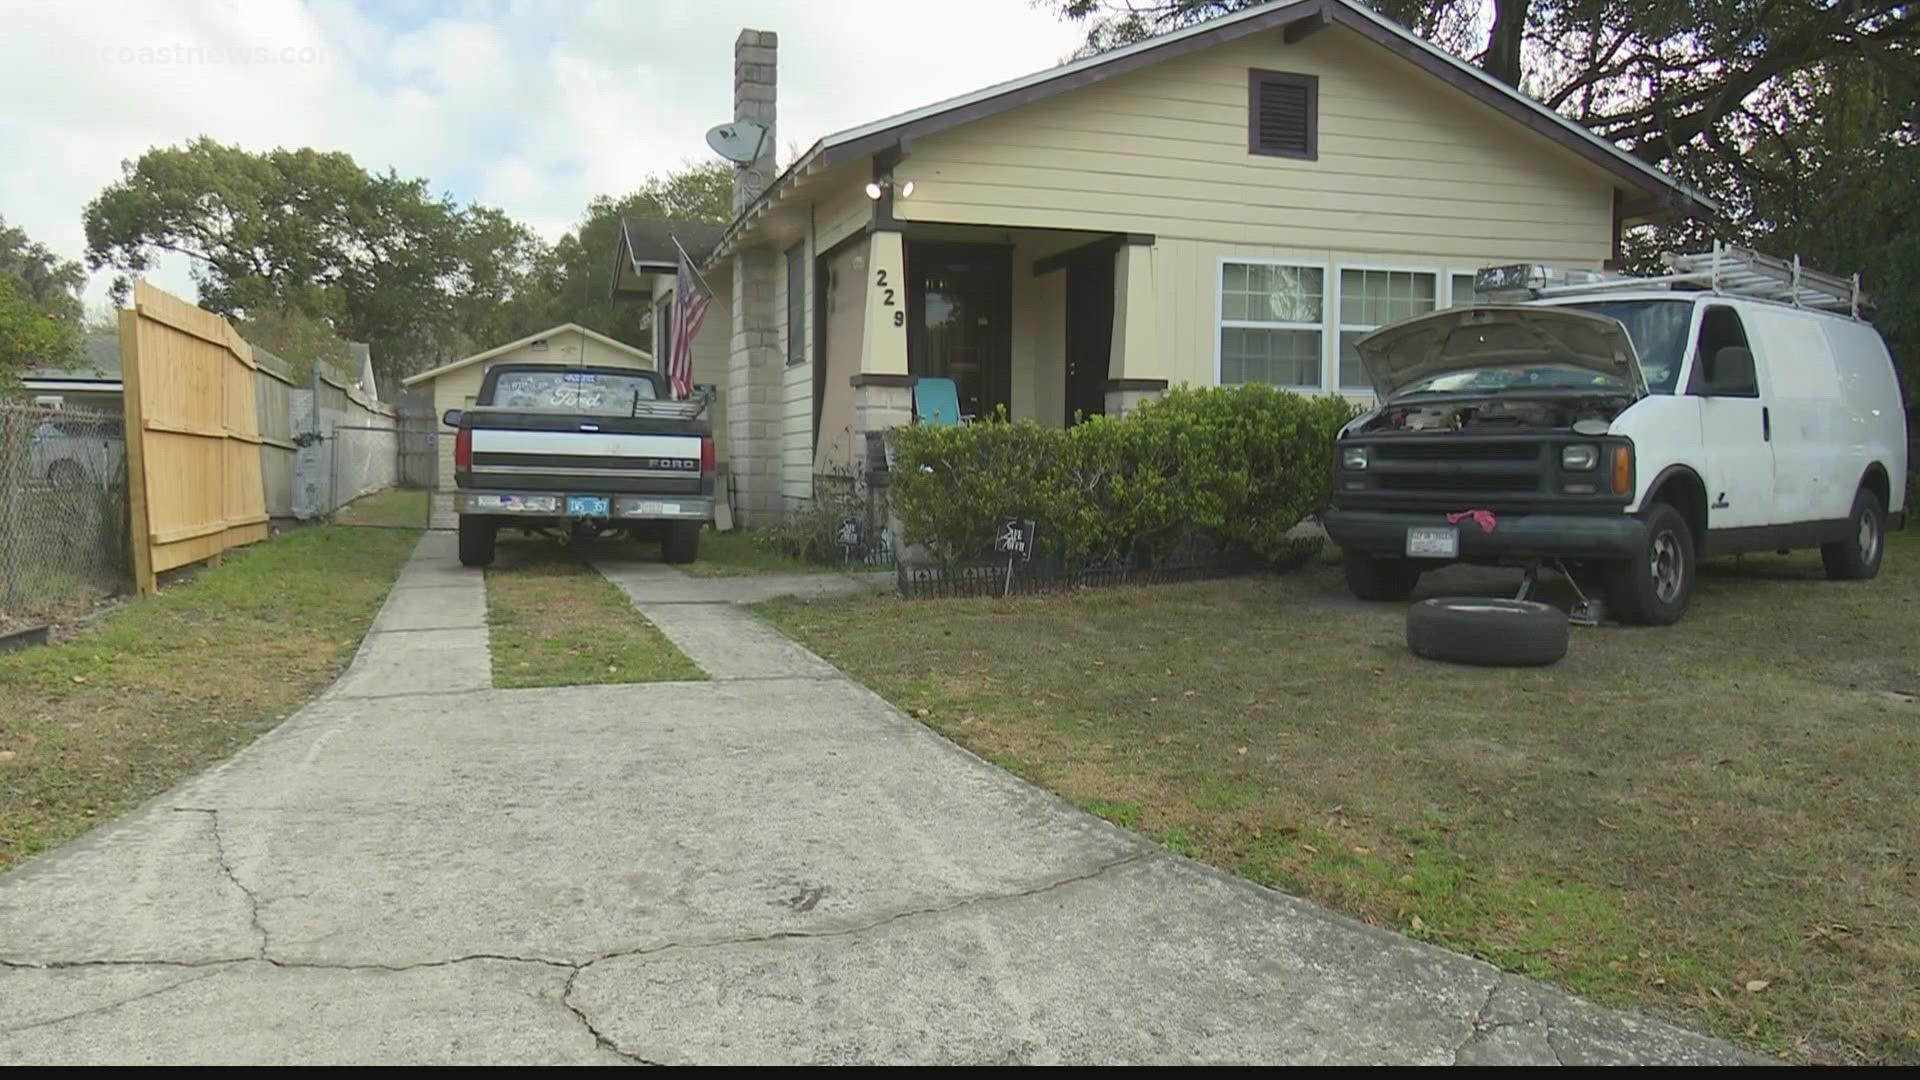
<point>692,267</point>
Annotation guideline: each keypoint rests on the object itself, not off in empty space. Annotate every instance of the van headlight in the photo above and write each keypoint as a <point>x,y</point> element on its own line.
<point>1354,458</point>
<point>1579,457</point>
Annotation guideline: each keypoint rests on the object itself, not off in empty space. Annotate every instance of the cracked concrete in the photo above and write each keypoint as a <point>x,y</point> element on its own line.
<point>772,867</point>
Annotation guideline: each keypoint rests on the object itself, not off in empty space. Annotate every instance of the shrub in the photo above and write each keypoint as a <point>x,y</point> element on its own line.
<point>1241,466</point>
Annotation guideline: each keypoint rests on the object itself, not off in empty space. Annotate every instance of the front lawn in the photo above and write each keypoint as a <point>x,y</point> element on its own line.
<point>554,621</point>
<point>739,552</point>
<point>168,684</point>
<point>391,508</point>
<point>1716,821</point>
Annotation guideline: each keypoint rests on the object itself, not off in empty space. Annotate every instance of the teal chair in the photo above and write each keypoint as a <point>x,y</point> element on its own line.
<point>936,402</point>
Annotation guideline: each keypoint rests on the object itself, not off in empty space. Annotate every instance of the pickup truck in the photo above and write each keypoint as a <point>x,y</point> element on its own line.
<point>585,450</point>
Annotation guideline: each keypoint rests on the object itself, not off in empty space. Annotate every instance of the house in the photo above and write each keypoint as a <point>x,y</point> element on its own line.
<point>1233,202</point>
<point>92,382</point>
<point>455,385</point>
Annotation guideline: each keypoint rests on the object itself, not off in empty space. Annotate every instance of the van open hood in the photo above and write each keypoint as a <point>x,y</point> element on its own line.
<point>1495,335</point>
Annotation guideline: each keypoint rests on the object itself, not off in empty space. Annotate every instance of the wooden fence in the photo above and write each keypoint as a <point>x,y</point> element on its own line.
<point>192,434</point>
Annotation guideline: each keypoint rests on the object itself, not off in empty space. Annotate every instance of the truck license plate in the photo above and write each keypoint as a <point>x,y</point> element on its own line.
<point>1432,542</point>
<point>586,506</point>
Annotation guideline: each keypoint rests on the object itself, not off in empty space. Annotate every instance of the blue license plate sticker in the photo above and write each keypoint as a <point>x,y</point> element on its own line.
<point>586,506</point>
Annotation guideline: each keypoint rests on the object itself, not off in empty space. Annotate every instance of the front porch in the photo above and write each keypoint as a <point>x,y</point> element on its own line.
<point>1034,324</point>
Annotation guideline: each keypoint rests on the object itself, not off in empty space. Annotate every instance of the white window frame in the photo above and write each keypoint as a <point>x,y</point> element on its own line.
<point>1220,322</point>
<point>1332,375</point>
<point>1449,274</point>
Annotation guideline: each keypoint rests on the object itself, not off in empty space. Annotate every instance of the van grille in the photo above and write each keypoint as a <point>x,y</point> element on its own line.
<point>1453,450</point>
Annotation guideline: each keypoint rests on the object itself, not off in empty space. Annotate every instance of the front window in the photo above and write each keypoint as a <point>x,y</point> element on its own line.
<point>1272,324</point>
<point>1658,329</point>
<point>591,393</point>
<point>1373,298</point>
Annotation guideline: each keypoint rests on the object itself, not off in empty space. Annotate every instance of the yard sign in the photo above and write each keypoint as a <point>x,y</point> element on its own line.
<point>193,435</point>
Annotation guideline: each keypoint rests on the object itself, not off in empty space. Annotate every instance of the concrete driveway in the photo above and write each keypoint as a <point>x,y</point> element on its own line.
<point>775,866</point>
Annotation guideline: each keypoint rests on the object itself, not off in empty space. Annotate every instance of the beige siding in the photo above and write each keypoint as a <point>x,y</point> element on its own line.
<point>840,215</point>
<point>457,389</point>
<point>846,315</point>
<point>795,388</point>
<point>1407,164</point>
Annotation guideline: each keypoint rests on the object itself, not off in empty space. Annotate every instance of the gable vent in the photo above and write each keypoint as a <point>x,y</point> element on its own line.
<point>1283,114</point>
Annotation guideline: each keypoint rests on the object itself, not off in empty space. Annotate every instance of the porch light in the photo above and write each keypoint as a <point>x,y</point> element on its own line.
<point>877,188</point>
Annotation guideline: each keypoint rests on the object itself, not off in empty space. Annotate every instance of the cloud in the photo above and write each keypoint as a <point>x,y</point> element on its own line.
<point>533,107</point>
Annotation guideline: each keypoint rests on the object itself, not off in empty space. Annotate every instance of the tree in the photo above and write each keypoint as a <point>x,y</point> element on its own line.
<point>379,256</point>
<point>39,303</point>
<point>576,276</point>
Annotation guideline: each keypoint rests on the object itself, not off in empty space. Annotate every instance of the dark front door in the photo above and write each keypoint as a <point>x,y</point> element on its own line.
<point>1089,334</point>
<point>959,320</point>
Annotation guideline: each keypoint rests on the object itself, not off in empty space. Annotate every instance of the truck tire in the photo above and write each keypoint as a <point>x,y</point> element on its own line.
<point>682,544</point>
<point>1373,577</point>
<point>1487,631</point>
<point>476,541</point>
<point>1654,587</point>
<point>1857,558</point>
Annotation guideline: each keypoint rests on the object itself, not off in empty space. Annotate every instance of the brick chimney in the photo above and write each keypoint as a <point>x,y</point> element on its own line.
<point>755,60</point>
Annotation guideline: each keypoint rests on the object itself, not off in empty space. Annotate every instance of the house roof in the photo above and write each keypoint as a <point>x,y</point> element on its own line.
<point>650,242</point>
<point>99,362</point>
<point>501,350</point>
<point>1658,192</point>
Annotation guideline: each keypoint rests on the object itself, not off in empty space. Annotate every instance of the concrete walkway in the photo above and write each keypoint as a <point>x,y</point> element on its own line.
<point>775,866</point>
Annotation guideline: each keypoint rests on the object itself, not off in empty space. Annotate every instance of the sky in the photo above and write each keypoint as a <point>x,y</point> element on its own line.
<point>533,106</point>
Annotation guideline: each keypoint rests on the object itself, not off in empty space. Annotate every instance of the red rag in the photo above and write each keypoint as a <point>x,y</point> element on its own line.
<point>1482,518</point>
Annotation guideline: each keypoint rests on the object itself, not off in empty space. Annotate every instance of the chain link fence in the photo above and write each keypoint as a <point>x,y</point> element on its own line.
<point>63,512</point>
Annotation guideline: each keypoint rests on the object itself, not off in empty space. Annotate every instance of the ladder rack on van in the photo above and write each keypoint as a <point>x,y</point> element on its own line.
<point>1745,272</point>
<point>1725,269</point>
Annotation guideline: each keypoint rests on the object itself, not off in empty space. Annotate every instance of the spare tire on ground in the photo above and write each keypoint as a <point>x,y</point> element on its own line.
<point>1487,630</point>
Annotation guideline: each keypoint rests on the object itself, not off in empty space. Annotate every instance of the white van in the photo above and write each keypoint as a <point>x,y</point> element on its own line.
<point>1635,426</point>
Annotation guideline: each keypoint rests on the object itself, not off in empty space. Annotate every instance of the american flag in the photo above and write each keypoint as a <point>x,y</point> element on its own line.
<point>690,302</point>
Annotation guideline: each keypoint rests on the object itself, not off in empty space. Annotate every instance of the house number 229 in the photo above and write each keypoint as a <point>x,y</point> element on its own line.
<point>886,297</point>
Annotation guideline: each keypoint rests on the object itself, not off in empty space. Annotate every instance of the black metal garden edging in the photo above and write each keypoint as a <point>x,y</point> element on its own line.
<point>1197,559</point>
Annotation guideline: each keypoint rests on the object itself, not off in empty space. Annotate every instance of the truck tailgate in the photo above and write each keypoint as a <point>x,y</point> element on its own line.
<point>550,452</point>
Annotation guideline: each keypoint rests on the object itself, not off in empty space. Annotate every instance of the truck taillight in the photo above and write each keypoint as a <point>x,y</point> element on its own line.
<point>463,450</point>
<point>706,453</point>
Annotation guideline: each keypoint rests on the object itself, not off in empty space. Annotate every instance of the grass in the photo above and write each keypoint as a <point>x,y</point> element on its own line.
<point>1715,821</point>
<point>554,621</point>
<point>393,508</point>
<point>745,552</point>
<point>167,684</point>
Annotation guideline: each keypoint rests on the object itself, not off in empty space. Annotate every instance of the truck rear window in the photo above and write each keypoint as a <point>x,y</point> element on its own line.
<point>591,393</point>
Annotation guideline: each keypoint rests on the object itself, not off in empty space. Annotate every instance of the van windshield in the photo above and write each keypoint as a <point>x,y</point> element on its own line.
<point>592,393</point>
<point>1658,329</point>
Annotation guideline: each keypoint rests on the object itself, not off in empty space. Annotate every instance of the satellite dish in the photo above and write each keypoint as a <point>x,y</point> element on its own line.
<point>739,141</point>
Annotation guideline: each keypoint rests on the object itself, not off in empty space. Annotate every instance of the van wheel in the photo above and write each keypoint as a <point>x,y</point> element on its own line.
<point>476,541</point>
<point>1372,577</point>
<point>682,544</point>
<point>1654,587</point>
<point>1857,558</point>
<point>1487,631</point>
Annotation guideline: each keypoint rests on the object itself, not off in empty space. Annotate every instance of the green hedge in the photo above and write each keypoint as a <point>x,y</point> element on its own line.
<point>1241,465</point>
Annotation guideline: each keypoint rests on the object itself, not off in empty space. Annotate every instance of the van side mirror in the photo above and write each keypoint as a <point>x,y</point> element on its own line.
<point>451,418</point>
<point>1730,373</point>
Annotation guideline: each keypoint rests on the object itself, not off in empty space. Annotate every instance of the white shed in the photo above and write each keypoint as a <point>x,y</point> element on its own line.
<point>455,385</point>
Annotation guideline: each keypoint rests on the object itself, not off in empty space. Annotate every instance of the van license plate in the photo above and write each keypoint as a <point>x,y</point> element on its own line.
<point>1431,542</point>
<point>586,506</point>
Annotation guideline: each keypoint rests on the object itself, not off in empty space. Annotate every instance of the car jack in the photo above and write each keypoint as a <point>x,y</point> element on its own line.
<point>1586,610</point>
